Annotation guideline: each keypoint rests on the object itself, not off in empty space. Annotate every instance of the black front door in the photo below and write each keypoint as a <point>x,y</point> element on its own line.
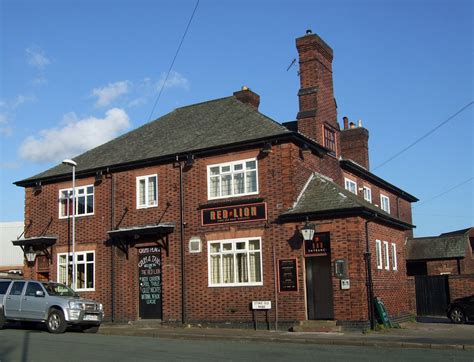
<point>319,287</point>
<point>149,278</point>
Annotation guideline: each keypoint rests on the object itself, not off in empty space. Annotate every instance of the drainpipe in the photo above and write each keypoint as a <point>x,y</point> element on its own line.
<point>368,281</point>
<point>181,229</point>
<point>112,251</point>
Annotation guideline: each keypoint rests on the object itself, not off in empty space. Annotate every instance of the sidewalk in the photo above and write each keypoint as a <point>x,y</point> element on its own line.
<point>410,335</point>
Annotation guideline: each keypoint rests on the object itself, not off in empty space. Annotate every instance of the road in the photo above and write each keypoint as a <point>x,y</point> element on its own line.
<point>38,345</point>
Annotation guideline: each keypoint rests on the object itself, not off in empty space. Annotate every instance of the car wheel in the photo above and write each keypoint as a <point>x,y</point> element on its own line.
<point>90,329</point>
<point>56,323</point>
<point>457,315</point>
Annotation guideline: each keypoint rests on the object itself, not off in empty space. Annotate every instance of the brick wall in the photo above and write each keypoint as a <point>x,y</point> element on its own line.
<point>461,286</point>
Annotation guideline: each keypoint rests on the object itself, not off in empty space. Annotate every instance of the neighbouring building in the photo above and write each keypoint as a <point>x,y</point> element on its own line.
<point>194,216</point>
<point>11,257</point>
<point>448,253</point>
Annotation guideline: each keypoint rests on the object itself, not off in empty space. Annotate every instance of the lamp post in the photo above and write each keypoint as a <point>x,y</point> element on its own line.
<point>73,164</point>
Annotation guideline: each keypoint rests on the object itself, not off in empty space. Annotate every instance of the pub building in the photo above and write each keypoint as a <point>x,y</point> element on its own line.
<point>215,208</point>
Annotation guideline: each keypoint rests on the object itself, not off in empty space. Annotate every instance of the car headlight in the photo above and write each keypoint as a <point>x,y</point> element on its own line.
<point>76,305</point>
<point>101,307</point>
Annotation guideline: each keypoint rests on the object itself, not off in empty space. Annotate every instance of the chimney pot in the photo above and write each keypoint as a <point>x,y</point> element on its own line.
<point>346,122</point>
<point>309,31</point>
<point>352,125</point>
<point>360,123</point>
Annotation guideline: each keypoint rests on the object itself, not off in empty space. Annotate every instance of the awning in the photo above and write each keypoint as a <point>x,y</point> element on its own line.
<point>38,243</point>
<point>126,237</point>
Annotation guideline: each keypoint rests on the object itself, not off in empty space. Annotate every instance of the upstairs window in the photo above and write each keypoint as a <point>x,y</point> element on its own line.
<point>147,191</point>
<point>385,203</point>
<point>350,186</point>
<point>330,139</point>
<point>232,179</point>
<point>367,194</point>
<point>84,201</point>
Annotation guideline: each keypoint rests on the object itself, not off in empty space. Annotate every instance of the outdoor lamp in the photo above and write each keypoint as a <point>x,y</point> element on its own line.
<point>308,231</point>
<point>30,255</point>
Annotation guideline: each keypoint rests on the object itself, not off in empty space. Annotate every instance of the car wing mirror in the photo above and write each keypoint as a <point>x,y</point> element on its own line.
<point>39,293</point>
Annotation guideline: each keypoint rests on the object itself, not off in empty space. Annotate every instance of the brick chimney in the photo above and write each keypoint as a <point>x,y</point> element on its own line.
<point>355,143</point>
<point>245,95</point>
<point>317,107</point>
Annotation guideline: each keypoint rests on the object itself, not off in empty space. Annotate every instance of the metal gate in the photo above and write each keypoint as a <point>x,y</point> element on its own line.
<point>432,295</point>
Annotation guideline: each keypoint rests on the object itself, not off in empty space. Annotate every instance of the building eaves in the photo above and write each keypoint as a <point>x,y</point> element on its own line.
<point>358,170</point>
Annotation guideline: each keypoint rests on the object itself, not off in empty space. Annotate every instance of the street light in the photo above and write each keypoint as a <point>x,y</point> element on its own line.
<point>73,165</point>
<point>30,255</point>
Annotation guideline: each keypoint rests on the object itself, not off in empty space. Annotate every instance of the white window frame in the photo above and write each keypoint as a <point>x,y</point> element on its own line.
<point>69,198</point>
<point>233,252</point>
<point>193,241</point>
<point>378,254</point>
<point>147,204</point>
<point>382,204</point>
<point>394,257</point>
<point>85,262</point>
<point>231,165</point>
<point>387,255</point>
<point>367,194</point>
<point>348,183</point>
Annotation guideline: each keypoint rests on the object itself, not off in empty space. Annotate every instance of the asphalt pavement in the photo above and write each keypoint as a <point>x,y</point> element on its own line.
<point>428,334</point>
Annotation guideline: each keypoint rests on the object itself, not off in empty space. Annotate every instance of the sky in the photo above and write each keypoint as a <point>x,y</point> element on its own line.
<point>75,74</point>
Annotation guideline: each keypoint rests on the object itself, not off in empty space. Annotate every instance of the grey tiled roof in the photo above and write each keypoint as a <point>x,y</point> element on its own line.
<point>436,247</point>
<point>205,125</point>
<point>324,196</point>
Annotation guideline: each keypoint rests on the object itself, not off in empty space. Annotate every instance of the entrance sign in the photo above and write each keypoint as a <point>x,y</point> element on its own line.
<point>149,278</point>
<point>319,246</point>
<point>232,214</point>
<point>288,275</point>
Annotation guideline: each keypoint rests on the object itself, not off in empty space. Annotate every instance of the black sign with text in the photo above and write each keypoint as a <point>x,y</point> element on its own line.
<point>319,246</point>
<point>149,278</point>
<point>288,275</point>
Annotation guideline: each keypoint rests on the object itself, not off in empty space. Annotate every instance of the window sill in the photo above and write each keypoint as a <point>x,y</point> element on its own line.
<point>147,207</point>
<point>233,285</point>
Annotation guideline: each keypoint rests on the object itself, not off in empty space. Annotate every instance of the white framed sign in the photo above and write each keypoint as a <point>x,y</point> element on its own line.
<point>261,304</point>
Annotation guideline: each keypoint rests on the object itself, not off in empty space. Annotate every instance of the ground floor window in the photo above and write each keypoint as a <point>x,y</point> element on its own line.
<point>84,265</point>
<point>235,262</point>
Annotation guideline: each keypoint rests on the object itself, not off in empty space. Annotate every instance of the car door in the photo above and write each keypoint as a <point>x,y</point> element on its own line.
<point>470,308</point>
<point>13,300</point>
<point>33,305</point>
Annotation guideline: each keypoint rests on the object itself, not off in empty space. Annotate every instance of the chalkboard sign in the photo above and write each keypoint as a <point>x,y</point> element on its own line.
<point>288,275</point>
<point>149,277</point>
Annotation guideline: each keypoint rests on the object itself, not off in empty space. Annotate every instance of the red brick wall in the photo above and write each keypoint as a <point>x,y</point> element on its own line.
<point>437,267</point>
<point>355,145</point>
<point>461,286</point>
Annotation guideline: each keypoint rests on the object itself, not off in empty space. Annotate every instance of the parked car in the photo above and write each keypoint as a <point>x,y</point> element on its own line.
<point>54,304</point>
<point>461,310</point>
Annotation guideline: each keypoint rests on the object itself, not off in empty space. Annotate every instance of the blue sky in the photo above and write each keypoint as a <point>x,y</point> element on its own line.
<point>75,74</point>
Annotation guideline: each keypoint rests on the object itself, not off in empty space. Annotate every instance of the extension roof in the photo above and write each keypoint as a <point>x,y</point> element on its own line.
<point>203,126</point>
<point>323,198</point>
<point>436,247</point>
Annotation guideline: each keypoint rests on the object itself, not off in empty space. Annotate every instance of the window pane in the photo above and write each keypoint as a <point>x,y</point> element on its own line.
<point>226,185</point>
<point>90,275</point>
<point>225,169</point>
<point>80,257</point>
<point>254,244</point>
<point>239,183</point>
<point>228,268</point>
<point>81,276</point>
<point>141,192</point>
<point>80,191</point>
<point>251,181</point>
<point>215,247</point>
<point>90,204</point>
<point>255,272</point>
<point>90,257</point>
<point>227,247</point>
<point>215,275</point>
<point>251,165</point>
<point>240,245</point>
<point>242,268</point>
<point>152,191</point>
<point>215,187</point>
<point>238,166</point>
<point>81,205</point>
<point>215,170</point>
<point>90,190</point>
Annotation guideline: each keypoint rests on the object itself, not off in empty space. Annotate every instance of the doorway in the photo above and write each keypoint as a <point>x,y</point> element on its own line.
<point>319,287</point>
<point>149,279</point>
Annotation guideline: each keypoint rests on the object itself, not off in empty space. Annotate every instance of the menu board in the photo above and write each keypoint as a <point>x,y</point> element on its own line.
<point>288,275</point>
<point>149,269</point>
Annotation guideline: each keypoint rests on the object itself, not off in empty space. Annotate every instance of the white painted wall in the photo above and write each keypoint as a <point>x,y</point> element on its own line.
<point>10,255</point>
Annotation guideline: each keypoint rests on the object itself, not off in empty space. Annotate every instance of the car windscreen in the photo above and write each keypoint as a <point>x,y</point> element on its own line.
<point>59,290</point>
<point>4,286</point>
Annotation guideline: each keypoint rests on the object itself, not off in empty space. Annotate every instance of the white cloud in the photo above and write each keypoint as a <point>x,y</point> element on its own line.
<point>110,92</point>
<point>175,80</point>
<point>9,165</point>
<point>3,119</point>
<point>74,137</point>
<point>36,57</point>
<point>21,99</point>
